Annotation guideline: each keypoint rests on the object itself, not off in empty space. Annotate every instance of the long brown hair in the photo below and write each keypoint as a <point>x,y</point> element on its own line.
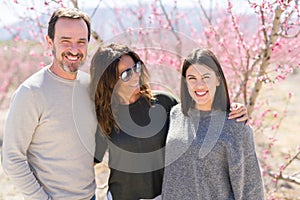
<point>205,57</point>
<point>104,77</point>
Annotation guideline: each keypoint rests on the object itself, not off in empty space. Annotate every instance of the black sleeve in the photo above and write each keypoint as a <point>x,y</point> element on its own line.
<point>101,146</point>
<point>166,99</point>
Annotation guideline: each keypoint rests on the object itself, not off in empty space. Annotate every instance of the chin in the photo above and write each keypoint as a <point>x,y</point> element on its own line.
<point>137,90</point>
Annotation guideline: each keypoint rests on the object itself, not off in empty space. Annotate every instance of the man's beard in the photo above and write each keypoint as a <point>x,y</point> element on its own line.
<point>69,67</point>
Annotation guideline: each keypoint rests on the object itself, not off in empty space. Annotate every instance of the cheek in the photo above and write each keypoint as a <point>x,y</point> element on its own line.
<point>190,85</point>
<point>120,86</point>
<point>190,89</point>
<point>84,50</point>
<point>116,90</point>
<point>212,90</point>
<point>58,50</point>
<point>212,83</point>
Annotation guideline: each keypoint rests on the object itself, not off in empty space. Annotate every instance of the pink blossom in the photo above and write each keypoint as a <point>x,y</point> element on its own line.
<point>265,113</point>
<point>4,85</point>
<point>42,64</point>
<point>32,53</point>
<point>266,152</point>
<point>280,77</point>
<point>282,167</point>
<point>17,38</point>
<point>276,126</point>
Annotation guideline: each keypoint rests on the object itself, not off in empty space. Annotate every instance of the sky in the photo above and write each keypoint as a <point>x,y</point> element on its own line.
<point>11,12</point>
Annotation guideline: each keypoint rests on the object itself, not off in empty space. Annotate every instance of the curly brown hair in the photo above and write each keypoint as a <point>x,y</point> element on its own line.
<point>104,77</point>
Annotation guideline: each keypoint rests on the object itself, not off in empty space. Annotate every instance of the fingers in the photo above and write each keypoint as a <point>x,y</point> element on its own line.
<point>235,115</point>
<point>238,112</point>
<point>240,118</point>
<point>240,115</point>
<point>233,106</point>
<point>243,119</point>
<point>236,106</point>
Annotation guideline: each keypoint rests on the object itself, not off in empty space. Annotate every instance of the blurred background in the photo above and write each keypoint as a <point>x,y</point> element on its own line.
<point>256,41</point>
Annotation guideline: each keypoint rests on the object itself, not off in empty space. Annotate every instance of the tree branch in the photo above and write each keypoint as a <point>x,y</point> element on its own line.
<point>265,59</point>
<point>284,177</point>
<point>169,21</point>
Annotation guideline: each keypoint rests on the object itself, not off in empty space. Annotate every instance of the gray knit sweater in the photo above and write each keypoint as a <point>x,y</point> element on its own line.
<point>49,138</point>
<point>210,157</point>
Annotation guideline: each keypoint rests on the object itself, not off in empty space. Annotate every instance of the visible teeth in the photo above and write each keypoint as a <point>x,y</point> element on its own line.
<point>72,58</point>
<point>201,93</point>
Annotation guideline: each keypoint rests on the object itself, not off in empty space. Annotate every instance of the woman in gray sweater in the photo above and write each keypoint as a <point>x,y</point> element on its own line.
<point>208,156</point>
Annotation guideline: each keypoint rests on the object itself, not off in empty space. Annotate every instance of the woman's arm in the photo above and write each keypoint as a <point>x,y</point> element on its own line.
<point>244,169</point>
<point>101,146</point>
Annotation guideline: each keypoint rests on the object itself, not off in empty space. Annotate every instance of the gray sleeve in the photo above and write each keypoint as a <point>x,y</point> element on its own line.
<point>244,169</point>
<point>21,121</point>
<point>101,146</point>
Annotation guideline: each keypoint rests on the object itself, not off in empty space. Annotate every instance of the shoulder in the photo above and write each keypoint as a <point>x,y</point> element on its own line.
<point>176,109</point>
<point>83,77</point>
<point>165,97</point>
<point>23,91</point>
<point>32,83</point>
<point>176,112</point>
<point>36,79</point>
<point>237,125</point>
<point>237,129</point>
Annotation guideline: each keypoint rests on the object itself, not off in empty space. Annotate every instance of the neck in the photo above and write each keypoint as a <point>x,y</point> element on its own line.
<point>58,71</point>
<point>134,97</point>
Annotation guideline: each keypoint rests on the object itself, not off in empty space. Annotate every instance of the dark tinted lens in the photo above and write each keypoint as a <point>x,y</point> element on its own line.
<point>126,75</point>
<point>137,67</point>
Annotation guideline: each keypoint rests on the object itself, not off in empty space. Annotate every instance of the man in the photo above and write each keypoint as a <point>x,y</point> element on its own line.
<point>49,135</point>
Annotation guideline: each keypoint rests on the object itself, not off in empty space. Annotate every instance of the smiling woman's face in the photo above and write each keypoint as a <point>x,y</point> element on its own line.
<point>202,83</point>
<point>131,87</point>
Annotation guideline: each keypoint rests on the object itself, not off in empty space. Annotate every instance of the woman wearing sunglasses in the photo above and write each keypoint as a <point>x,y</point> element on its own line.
<point>133,123</point>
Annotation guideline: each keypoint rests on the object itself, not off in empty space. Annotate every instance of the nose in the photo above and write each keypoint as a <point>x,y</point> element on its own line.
<point>74,49</point>
<point>200,82</point>
<point>135,75</point>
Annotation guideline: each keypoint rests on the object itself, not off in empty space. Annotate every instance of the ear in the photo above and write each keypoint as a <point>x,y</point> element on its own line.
<point>218,81</point>
<point>49,42</point>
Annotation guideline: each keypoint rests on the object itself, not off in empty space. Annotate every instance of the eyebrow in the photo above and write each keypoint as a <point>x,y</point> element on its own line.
<point>201,74</point>
<point>68,38</point>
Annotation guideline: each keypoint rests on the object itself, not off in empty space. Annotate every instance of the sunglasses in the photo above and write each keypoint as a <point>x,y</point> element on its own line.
<point>127,73</point>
